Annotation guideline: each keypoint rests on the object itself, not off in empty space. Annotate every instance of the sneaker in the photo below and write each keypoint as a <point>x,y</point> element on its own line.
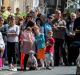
<point>14,69</point>
<point>11,67</point>
<point>0,68</point>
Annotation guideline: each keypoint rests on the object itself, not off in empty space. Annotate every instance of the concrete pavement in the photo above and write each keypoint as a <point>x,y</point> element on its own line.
<point>61,70</point>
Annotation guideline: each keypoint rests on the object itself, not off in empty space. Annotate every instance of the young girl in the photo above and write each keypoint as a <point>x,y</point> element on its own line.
<point>27,43</point>
<point>2,48</point>
<point>40,43</point>
<point>49,49</point>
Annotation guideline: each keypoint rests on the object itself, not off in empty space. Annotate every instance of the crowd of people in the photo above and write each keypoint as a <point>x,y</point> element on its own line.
<point>37,40</point>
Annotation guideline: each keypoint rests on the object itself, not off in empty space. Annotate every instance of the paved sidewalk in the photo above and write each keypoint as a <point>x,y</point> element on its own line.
<point>61,70</point>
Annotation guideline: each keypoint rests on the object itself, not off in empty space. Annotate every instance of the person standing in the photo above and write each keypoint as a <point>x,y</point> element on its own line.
<point>12,42</point>
<point>49,50</point>
<point>2,48</point>
<point>27,43</point>
<point>76,29</point>
<point>40,44</point>
<point>70,38</point>
<point>59,29</point>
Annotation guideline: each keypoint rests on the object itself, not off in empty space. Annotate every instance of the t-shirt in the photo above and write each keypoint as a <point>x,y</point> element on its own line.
<point>13,29</point>
<point>50,47</point>
<point>2,44</point>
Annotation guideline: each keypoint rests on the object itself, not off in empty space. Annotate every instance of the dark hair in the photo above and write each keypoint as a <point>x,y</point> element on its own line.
<point>78,10</point>
<point>38,19</point>
<point>2,7</point>
<point>8,8</point>
<point>18,9</point>
<point>30,24</point>
<point>10,17</point>
<point>39,15</point>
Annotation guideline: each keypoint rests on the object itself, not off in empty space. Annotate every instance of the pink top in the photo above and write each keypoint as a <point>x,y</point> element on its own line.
<point>27,40</point>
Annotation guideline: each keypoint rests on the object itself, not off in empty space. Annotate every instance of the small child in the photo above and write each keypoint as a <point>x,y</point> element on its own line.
<point>27,43</point>
<point>40,44</point>
<point>49,50</point>
<point>2,48</point>
<point>32,61</point>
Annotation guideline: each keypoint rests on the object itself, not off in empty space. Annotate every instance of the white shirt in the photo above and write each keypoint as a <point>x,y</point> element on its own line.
<point>13,29</point>
<point>2,44</point>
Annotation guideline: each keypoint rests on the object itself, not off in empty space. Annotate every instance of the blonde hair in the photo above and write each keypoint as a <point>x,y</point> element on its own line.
<point>73,14</point>
<point>36,27</point>
<point>29,28</point>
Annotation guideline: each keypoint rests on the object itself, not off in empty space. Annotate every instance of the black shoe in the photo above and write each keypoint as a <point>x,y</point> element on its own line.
<point>24,69</point>
<point>32,68</point>
<point>48,68</point>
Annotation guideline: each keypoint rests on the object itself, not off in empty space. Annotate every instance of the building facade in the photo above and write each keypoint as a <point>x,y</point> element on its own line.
<point>0,2</point>
<point>18,3</point>
<point>52,5</point>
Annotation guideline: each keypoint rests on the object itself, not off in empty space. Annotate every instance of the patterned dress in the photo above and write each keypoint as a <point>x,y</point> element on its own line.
<point>28,41</point>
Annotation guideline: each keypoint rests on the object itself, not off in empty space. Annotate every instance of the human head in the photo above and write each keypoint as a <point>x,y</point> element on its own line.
<point>29,17</point>
<point>78,12</point>
<point>31,53</point>
<point>21,20</point>
<point>39,22</point>
<point>27,9</point>
<point>11,19</point>
<point>50,33</point>
<point>9,8</point>
<point>17,10</point>
<point>2,8</point>
<point>28,28</point>
<point>73,16</point>
<point>1,20</point>
<point>36,29</point>
<point>50,19</point>
<point>57,14</point>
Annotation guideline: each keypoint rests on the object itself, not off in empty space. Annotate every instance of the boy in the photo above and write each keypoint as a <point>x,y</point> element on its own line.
<point>49,49</point>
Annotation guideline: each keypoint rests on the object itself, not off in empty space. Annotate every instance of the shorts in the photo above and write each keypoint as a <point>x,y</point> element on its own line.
<point>49,56</point>
<point>41,53</point>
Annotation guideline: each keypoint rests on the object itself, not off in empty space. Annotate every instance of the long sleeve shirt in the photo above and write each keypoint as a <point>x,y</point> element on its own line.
<point>40,41</point>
